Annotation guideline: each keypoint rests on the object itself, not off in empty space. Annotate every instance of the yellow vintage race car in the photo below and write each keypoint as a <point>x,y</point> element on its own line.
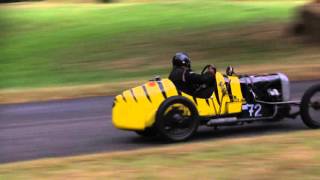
<point>159,108</point>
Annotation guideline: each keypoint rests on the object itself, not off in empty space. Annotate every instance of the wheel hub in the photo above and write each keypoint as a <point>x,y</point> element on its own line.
<point>315,105</point>
<point>177,118</point>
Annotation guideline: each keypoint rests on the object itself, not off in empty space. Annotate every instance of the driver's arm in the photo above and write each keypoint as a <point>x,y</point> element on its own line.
<point>195,78</point>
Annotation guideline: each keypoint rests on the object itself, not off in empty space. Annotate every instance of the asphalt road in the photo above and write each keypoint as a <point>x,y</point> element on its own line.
<point>83,126</point>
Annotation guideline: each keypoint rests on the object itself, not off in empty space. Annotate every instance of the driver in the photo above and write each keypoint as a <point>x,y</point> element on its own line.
<point>188,81</point>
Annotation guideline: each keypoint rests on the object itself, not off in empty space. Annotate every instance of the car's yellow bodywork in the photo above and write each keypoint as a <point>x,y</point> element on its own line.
<point>136,108</point>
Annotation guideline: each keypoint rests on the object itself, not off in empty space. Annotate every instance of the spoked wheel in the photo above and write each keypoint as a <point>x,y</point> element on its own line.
<point>177,119</point>
<point>310,107</point>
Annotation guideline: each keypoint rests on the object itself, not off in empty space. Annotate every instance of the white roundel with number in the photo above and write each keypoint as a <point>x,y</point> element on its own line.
<point>254,110</point>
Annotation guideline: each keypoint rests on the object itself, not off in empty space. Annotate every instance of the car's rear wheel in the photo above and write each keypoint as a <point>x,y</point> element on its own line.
<point>310,107</point>
<point>177,119</point>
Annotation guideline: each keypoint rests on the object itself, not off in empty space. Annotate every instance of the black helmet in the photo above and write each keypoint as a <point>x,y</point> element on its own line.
<point>181,59</point>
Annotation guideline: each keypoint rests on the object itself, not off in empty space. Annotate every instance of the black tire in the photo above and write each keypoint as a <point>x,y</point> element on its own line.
<point>148,132</point>
<point>312,120</point>
<point>170,121</point>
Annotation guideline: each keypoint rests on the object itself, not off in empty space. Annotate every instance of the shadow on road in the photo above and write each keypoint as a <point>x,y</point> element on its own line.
<point>206,133</point>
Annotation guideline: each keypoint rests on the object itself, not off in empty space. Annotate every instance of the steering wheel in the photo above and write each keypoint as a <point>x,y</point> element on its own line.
<point>203,86</point>
<point>205,69</point>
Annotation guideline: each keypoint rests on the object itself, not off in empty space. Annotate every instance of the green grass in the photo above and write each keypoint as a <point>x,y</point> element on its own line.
<point>293,155</point>
<point>67,44</point>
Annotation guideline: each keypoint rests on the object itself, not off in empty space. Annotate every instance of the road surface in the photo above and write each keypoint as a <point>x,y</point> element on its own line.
<point>83,126</point>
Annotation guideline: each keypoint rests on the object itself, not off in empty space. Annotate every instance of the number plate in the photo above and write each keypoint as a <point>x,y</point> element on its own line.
<point>253,110</point>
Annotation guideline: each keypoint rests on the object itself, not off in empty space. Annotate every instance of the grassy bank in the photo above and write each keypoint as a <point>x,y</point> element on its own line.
<point>45,44</point>
<point>294,156</point>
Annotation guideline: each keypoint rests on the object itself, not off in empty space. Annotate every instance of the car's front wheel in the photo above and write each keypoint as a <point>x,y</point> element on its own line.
<point>177,119</point>
<point>310,107</point>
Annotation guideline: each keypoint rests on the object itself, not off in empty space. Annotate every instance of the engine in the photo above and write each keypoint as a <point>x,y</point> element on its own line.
<point>271,87</point>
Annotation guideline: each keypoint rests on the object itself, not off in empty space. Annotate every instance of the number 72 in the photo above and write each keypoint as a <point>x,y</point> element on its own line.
<point>254,110</point>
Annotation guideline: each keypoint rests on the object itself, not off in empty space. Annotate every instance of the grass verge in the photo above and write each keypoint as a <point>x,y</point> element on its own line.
<point>295,71</point>
<point>293,155</point>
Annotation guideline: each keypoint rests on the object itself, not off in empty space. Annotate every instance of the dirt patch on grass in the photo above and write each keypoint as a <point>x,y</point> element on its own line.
<point>69,92</point>
<point>294,71</point>
<point>307,71</point>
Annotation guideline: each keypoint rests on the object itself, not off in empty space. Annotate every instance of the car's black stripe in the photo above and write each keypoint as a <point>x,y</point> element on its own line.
<point>217,94</point>
<point>124,98</point>
<point>195,100</point>
<point>162,89</point>
<point>207,101</point>
<point>134,97</point>
<point>214,106</point>
<point>146,92</point>
<point>229,90</point>
<point>178,91</point>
